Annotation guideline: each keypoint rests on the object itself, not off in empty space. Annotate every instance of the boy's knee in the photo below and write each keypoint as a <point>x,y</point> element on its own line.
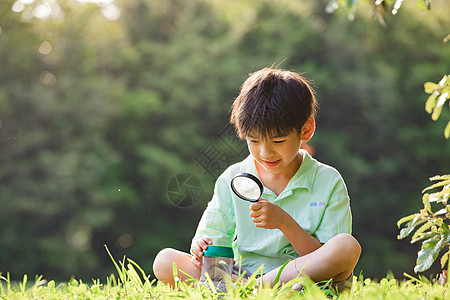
<point>162,265</point>
<point>343,254</point>
<point>349,246</point>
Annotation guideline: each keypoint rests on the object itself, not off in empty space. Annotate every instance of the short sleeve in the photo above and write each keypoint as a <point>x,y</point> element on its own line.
<point>337,216</point>
<point>218,219</point>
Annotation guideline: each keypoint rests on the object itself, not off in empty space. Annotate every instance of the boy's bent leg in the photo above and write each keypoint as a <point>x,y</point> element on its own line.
<point>163,266</point>
<point>335,260</point>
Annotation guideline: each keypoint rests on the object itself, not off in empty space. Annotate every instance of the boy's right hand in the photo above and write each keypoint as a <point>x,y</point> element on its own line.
<point>197,249</point>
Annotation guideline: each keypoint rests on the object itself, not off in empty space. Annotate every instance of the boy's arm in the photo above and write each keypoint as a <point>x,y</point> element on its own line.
<point>335,219</point>
<point>266,214</point>
<point>217,225</point>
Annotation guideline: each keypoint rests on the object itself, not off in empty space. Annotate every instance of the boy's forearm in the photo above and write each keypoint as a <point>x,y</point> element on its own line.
<point>302,241</point>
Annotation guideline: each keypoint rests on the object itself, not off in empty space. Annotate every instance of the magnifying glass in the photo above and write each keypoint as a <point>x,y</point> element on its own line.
<point>247,187</point>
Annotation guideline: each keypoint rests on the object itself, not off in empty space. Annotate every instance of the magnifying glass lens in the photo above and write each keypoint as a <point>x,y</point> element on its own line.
<point>247,187</point>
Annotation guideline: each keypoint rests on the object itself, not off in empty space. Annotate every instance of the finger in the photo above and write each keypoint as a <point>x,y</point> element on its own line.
<point>257,218</point>
<point>255,206</point>
<point>257,222</point>
<point>195,262</point>
<point>196,250</point>
<point>255,214</point>
<point>202,244</point>
<point>207,239</point>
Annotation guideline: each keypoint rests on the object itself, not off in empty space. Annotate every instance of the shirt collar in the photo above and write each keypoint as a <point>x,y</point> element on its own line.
<point>306,174</point>
<point>303,178</point>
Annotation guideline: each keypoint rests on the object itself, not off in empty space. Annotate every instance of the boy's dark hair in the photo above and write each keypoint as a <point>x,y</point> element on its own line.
<point>272,102</point>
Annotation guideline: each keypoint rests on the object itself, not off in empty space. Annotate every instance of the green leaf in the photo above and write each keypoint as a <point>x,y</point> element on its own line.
<point>447,130</point>
<point>422,229</point>
<point>443,81</point>
<point>441,196</point>
<point>438,222</point>
<point>429,87</point>
<point>405,219</point>
<point>410,226</point>
<point>425,200</point>
<point>444,259</point>
<point>442,211</point>
<point>435,185</point>
<point>444,193</point>
<point>440,177</point>
<point>422,236</point>
<point>428,254</point>
<point>426,204</point>
<point>430,104</point>
<point>439,105</point>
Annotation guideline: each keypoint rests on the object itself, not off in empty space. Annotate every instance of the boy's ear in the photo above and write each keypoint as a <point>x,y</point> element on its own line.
<point>308,129</point>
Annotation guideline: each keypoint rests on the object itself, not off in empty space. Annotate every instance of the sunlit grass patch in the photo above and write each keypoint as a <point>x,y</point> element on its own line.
<point>131,285</point>
<point>141,287</point>
<point>131,282</point>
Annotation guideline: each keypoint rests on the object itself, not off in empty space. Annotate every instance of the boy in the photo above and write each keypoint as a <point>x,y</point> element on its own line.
<point>304,212</point>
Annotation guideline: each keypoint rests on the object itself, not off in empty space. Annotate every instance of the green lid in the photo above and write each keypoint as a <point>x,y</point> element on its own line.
<point>219,251</point>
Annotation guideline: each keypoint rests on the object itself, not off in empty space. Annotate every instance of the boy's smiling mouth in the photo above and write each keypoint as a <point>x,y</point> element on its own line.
<point>271,164</point>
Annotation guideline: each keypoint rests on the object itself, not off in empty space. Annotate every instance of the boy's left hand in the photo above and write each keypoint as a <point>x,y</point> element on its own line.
<point>266,214</point>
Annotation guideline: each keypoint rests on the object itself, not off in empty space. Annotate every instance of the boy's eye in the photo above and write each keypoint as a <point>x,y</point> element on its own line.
<point>279,142</point>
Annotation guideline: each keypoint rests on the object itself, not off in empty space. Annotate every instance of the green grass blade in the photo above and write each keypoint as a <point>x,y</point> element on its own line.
<point>191,279</point>
<point>38,281</point>
<point>133,276</point>
<point>277,278</point>
<point>2,290</point>
<point>124,271</point>
<point>23,284</point>
<point>212,287</point>
<point>144,276</point>
<point>119,270</point>
<point>176,279</point>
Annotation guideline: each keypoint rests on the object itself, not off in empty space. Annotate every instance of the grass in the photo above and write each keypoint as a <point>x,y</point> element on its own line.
<point>131,282</point>
<point>142,288</point>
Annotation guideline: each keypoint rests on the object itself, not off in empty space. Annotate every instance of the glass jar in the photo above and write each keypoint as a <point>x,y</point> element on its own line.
<point>218,264</point>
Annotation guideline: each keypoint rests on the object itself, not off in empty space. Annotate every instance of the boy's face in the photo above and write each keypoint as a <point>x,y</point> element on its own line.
<point>277,154</point>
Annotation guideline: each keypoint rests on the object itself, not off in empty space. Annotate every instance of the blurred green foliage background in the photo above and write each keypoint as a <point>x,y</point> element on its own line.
<point>104,106</point>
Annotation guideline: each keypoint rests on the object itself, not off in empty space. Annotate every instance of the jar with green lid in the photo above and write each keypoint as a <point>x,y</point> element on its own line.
<point>218,264</point>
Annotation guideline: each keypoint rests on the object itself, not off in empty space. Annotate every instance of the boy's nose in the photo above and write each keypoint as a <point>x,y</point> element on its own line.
<point>265,150</point>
